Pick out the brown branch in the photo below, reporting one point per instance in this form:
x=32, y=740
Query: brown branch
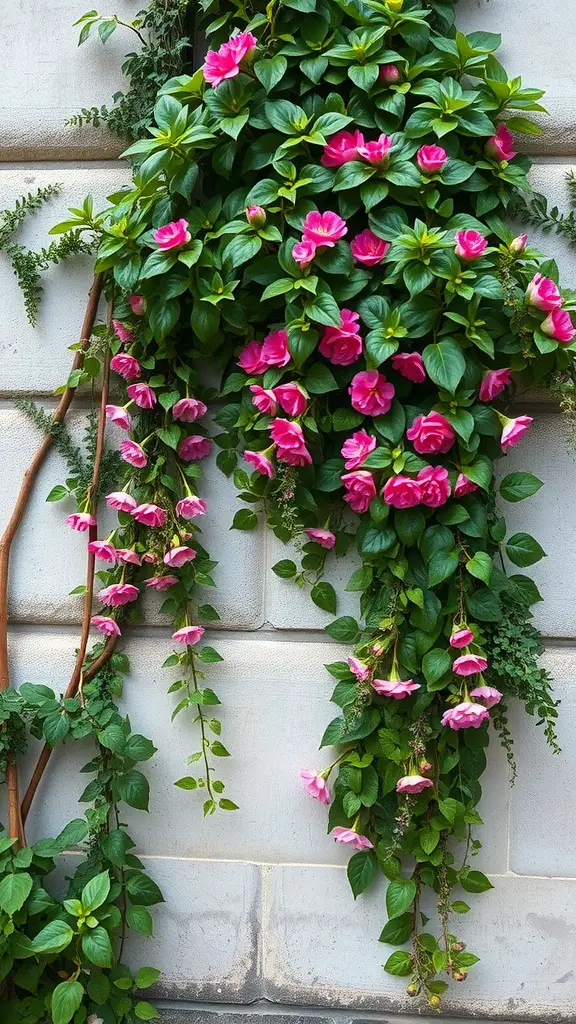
x=15, y=825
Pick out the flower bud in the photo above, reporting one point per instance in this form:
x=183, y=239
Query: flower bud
x=434, y=1001
x=518, y=244
x=460, y=975
x=425, y=767
x=412, y=990
x=389, y=73
x=395, y=5
x=458, y=947
x=256, y=216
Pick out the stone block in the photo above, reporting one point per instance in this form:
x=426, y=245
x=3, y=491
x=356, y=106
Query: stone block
x=291, y=607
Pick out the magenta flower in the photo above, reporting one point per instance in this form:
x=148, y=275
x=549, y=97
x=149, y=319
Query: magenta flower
x=161, y=582
x=499, y=146
x=514, y=430
x=376, y=152
x=431, y=434
x=142, y=395
x=342, y=148
x=264, y=399
x=470, y=244
x=397, y=688
x=137, y=304
x=177, y=557
x=125, y=334
x=465, y=716
x=275, y=351
x=342, y=345
x=261, y=463
x=324, y=229
x=494, y=383
x=294, y=456
x=389, y=73
x=292, y=398
x=402, y=492
x=487, y=695
x=543, y=293
x=469, y=665
x=105, y=625
x=434, y=486
x=194, y=447
x=413, y=784
x=118, y=415
x=188, y=409
x=188, y=635
x=359, y=668
x=225, y=62
x=464, y=486
x=289, y=438
x=371, y=393
x=149, y=515
x=256, y=216
x=518, y=244
x=190, y=507
x=128, y=556
x=361, y=489
x=316, y=786
x=118, y=594
x=303, y=252
x=173, y=235
x=351, y=838
x=121, y=501
x=325, y=538
x=431, y=159
x=410, y=365
x=368, y=249
x=133, y=454
x=103, y=550
x=461, y=637
x=126, y=366
x=250, y=358
x=356, y=449
x=558, y=324
x=80, y=521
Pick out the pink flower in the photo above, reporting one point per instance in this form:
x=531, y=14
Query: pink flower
x=118, y=415
x=225, y=62
x=493, y=384
x=351, y=838
x=359, y=669
x=118, y=594
x=304, y=251
x=261, y=463
x=402, y=492
x=178, y=556
x=275, y=351
x=125, y=334
x=518, y=244
x=128, y=556
x=172, y=235
x=410, y=365
x=325, y=538
x=105, y=625
x=470, y=244
x=469, y=665
x=514, y=430
x=389, y=73
x=434, y=486
x=133, y=454
x=371, y=393
x=368, y=249
x=431, y=159
x=188, y=409
x=431, y=434
x=558, y=325
x=188, y=635
x=292, y=398
x=397, y=688
x=361, y=489
x=316, y=786
x=499, y=146
x=137, y=304
x=161, y=582
x=294, y=457
x=142, y=395
x=80, y=521
x=126, y=366
x=103, y=550
x=149, y=515
x=461, y=637
x=342, y=148
x=487, y=695
x=250, y=358
x=194, y=447
x=356, y=448
x=464, y=486
x=342, y=345
x=242, y=44
x=287, y=434
x=465, y=716
x=376, y=152
x=256, y=216
x=413, y=784
x=543, y=293
x=121, y=501
x=324, y=229
x=190, y=507
x=264, y=400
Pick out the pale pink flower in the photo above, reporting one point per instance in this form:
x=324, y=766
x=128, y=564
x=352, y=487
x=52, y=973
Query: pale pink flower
x=434, y=486
x=465, y=716
x=194, y=447
x=250, y=358
x=371, y=393
x=188, y=635
x=342, y=345
x=389, y=73
x=264, y=400
x=356, y=448
x=125, y=365
x=121, y=501
x=172, y=235
x=342, y=148
x=133, y=454
x=376, y=152
x=105, y=625
x=464, y=486
x=461, y=637
x=103, y=550
x=499, y=146
x=161, y=582
x=487, y=695
x=410, y=365
x=402, y=492
x=118, y=594
x=149, y=515
x=469, y=665
x=361, y=489
x=137, y=304
x=80, y=521
x=514, y=430
x=351, y=838
x=431, y=159
x=431, y=434
x=397, y=688
x=142, y=395
x=359, y=668
x=316, y=786
x=177, y=557
x=518, y=244
x=190, y=507
x=413, y=784
x=128, y=556
x=125, y=334
x=188, y=409
x=275, y=351
x=256, y=216
x=324, y=229
x=118, y=415
x=261, y=463
x=470, y=244
x=304, y=251
x=368, y=249
x=543, y=293
x=292, y=398
x=325, y=538
x=558, y=324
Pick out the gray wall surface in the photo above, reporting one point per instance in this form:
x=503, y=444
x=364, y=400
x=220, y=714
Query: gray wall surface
x=257, y=902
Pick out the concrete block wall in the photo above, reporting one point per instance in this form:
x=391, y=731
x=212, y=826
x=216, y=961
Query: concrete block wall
x=257, y=902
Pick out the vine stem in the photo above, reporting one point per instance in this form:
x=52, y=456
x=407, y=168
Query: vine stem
x=15, y=821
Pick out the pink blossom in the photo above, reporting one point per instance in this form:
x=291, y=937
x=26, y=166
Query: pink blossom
x=499, y=146
x=256, y=216
x=356, y=448
x=514, y=430
x=376, y=152
x=133, y=454
x=261, y=463
x=142, y=395
x=105, y=625
x=470, y=244
x=287, y=434
x=543, y=293
x=494, y=383
x=225, y=62
x=469, y=665
x=264, y=400
x=465, y=716
x=558, y=324
x=487, y=695
x=464, y=486
x=389, y=73
x=125, y=365
x=359, y=668
x=413, y=784
x=149, y=515
x=151, y=558
x=103, y=550
x=178, y=556
x=292, y=398
x=351, y=838
x=324, y=229
x=518, y=244
x=118, y=415
x=188, y=635
x=304, y=251
x=161, y=582
x=128, y=556
x=342, y=148
x=194, y=447
x=190, y=507
x=431, y=434
x=188, y=409
x=397, y=688
x=242, y=44
x=361, y=489
x=118, y=594
x=461, y=637
x=172, y=235
x=402, y=492
x=325, y=538
x=80, y=521
x=121, y=501
x=410, y=365
x=371, y=393
x=342, y=345
x=250, y=358
x=316, y=786
x=125, y=334
x=434, y=486
x=431, y=159
x=137, y=304
x=368, y=249
x=275, y=351
x=294, y=456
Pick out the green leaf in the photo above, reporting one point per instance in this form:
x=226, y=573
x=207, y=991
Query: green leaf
x=57, y=493
x=524, y=550
x=134, y=789
x=97, y=948
x=145, y=1011
x=241, y=249
x=146, y=976
x=53, y=938
x=14, y=891
x=399, y=896
x=95, y=892
x=270, y=72
x=66, y=998
x=445, y=364
x=286, y=569
x=480, y=566
x=409, y=524
x=139, y=919
x=398, y=930
x=98, y=988
x=475, y=881
x=329, y=474
x=138, y=748
x=344, y=628
x=143, y=890
x=435, y=664
x=441, y=565
x=429, y=838
x=484, y=605
x=399, y=963
x=324, y=596
x=517, y=486
x=320, y=380
x=244, y=519
x=459, y=907
x=361, y=870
